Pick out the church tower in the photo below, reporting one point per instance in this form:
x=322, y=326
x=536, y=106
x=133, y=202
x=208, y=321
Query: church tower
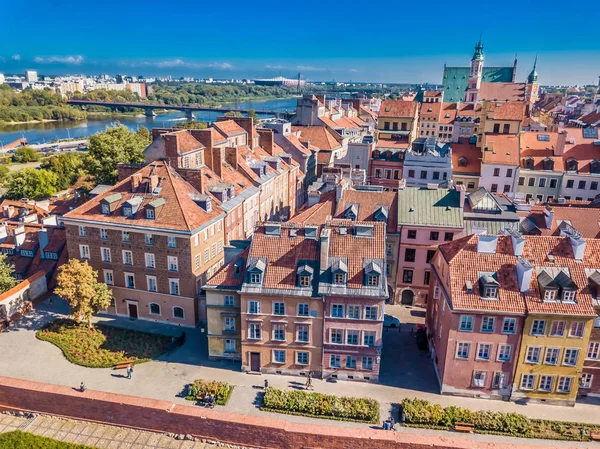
x=532, y=87
x=475, y=75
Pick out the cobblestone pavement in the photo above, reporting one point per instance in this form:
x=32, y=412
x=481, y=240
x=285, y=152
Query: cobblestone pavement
x=95, y=435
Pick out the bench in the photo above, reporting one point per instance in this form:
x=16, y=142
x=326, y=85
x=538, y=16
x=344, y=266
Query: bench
x=122, y=365
x=595, y=435
x=464, y=427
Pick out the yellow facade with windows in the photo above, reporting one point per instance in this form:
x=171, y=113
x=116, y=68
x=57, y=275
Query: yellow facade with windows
x=223, y=324
x=550, y=363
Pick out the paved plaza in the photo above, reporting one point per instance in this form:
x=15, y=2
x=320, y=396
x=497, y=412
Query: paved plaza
x=406, y=372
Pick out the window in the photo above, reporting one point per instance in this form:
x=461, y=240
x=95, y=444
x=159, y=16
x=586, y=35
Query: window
x=558, y=327
x=154, y=309
x=487, y=324
x=470, y=185
x=125, y=236
x=302, y=358
x=466, y=323
x=228, y=300
x=506, y=128
x=506, y=188
x=594, y=185
x=411, y=173
x=367, y=363
x=150, y=213
x=278, y=356
x=255, y=278
x=150, y=263
x=499, y=380
x=84, y=251
x=597, y=322
x=564, y=384
x=371, y=312
x=337, y=311
x=369, y=338
x=206, y=255
x=82, y=231
x=127, y=257
x=213, y=250
x=531, y=182
x=546, y=383
x=581, y=185
x=568, y=296
x=129, y=280
x=253, y=307
x=278, y=308
x=105, y=254
x=504, y=352
x=412, y=234
x=151, y=283
x=108, y=277
x=423, y=174
x=553, y=183
x=436, y=175
x=430, y=254
x=373, y=280
x=171, y=242
x=586, y=380
x=571, y=356
x=148, y=239
x=496, y=128
x=378, y=173
x=550, y=295
x=336, y=336
x=538, y=327
x=353, y=312
x=509, y=172
x=279, y=332
x=533, y=354
x=479, y=378
x=340, y=278
x=304, y=281
x=105, y=209
x=254, y=331
x=542, y=182
x=334, y=361
x=593, y=350
x=490, y=292
x=521, y=180
x=496, y=172
x=483, y=351
x=229, y=324
x=197, y=261
x=103, y=234
x=174, y=287
x=494, y=188
x=350, y=362
x=527, y=381
x=303, y=310
x=434, y=235
x=407, y=276
x=462, y=350
x=576, y=329
x=552, y=355
x=570, y=184
x=448, y=236
x=409, y=254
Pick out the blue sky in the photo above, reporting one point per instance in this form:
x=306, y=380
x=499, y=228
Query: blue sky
x=385, y=41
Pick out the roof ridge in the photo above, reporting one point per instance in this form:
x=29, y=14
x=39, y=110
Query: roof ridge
x=175, y=190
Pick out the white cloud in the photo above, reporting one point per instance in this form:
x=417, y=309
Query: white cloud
x=75, y=59
x=221, y=66
x=353, y=70
x=172, y=63
x=310, y=68
x=275, y=67
x=16, y=57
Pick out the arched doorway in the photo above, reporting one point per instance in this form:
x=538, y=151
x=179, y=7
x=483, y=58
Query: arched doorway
x=407, y=297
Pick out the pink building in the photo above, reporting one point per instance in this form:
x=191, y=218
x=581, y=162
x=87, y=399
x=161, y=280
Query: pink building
x=427, y=217
x=476, y=314
x=385, y=168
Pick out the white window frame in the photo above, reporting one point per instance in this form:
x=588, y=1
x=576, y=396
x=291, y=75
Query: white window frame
x=255, y=331
x=150, y=260
x=504, y=353
x=464, y=345
x=150, y=309
x=109, y=278
x=512, y=323
x=278, y=352
x=105, y=254
x=579, y=327
x=532, y=351
x=148, y=284
x=174, y=282
x=552, y=356
x=489, y=319
x=530, y=384
x=485, y=349
x=557, y=323
x=564, y=380
x=124, y=254
x=593, y=352
x=543, y=386
x=127, y=275
x=570, y=354
x=533, y=326
x=84, y=252
x=173, y=263
x=103, y=234
x=251, y=303
x=229, y=300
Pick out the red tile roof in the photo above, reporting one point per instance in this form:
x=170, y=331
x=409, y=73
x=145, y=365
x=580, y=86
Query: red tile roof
x=430, y=110
x=368, y=203
x=318, y=136
x=511, y=110
x=468, y=152
x=318, y=213
x=185, y=141
x=585, y=219
x=226, y=276
x=502, y=149
x=583, y=150
x=228, y=128
x=502, y=91
x=539, y=150
x=179, y=212
x=398, y=108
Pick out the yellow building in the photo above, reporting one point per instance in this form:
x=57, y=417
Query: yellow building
x=223, y=310
x=397, y=120
x=502, y=117
x=560, y=319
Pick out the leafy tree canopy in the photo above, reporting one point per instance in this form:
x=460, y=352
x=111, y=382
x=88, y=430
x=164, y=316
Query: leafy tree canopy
x=26, y=154
x=31, y=183
x=7, y=274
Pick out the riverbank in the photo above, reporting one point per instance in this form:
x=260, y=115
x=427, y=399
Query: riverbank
x=3, y=123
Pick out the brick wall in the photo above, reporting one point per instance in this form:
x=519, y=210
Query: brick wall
x=254, y=431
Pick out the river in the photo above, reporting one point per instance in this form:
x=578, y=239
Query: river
x=46, y=132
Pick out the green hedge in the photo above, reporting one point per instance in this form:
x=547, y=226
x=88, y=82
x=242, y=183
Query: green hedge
x=321, y=405
x=422, y=413
x=221, y=390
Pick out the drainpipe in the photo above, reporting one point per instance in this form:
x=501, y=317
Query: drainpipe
x=323, y=342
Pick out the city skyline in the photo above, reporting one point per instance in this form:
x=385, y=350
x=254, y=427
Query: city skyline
x=216, y=43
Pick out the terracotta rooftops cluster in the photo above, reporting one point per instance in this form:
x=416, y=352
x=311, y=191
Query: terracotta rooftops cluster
x=518, y=274
x=398, y=108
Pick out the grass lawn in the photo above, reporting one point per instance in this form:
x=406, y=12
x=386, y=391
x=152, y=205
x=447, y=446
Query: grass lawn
x=23, y=440
x=103, y=346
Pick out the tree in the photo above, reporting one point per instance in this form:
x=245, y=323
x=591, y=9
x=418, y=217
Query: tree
x=116, y=145
x=68, y=167
x=77, y=283
x=26, y=154
x=194, y=124
x=4, y=172
x=32, y=183
x=252, y=114
x=7, y=274
x=144, y=133
x=233, y=114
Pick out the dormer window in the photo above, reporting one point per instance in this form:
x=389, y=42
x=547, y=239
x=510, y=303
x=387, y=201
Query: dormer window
x=304, y=281
x=529, y=163
x=568, y=296
x=572, y=165
x=373, y=280
x=339, y=279
x=548, y=164
x=105, y=209
x=256, y=270
x=150, y=214
x=490, y=292
x=462, y=161
x=550, y=295
x=351, y=213
x=488, y=285
x=255, y=278
x=595, y=166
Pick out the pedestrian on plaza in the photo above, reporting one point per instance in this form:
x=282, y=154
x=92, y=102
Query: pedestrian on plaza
x=129, y=371
x=266, y=383
x=50, y=303
x=82, y=387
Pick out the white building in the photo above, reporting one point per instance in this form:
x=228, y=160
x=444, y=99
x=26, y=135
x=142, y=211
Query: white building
x=427, y=161
x=31, y=76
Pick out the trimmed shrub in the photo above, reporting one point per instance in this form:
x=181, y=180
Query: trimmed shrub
x=420, y=411
x=200, y=387
x=321, y=405
x=453, y=414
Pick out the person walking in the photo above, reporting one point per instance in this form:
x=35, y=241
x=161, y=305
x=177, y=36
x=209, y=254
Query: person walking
x=129, y=371
x=266, y=384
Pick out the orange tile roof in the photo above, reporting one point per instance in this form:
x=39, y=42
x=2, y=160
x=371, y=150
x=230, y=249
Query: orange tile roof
x=318, y=213
x=229, y=128
x=179, y=212
x=398, y=108
x=502, y=149
x=430, y=110
x=539, y=150
x=217, y=137
x=185, y=141
x=293, y=139
x=226, y=277
x=502, y=91
x=470, y=152
x=382, y=144
x=511, y=110
x=368, y=203
x=585, y=219
x=318, y=136
x=582, y=149
x=465, y=264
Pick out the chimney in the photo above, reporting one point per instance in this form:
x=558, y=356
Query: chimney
x=559, y=150
x=245, y=122
x=19, y=234
x=518, y=242
x=136, y=180
x=463, y=191
x=524, y=272
x=325, y=236
x=549, y=216
x=217, y=161
x=578, y=246
x=231, y=156
x=3, y=232
x=487, y=244
x=153, y=182
x=266, y=140
x=43, y=241
x=171, y=146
